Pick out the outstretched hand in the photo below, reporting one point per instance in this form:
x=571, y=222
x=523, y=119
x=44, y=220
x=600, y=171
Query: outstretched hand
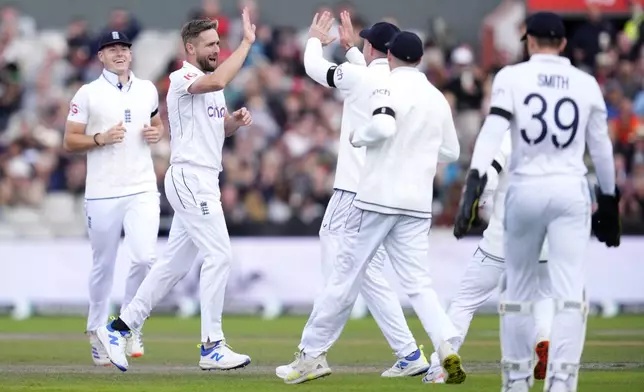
x=321, y=26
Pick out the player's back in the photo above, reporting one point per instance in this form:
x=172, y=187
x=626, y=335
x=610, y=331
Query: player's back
x=355, y=113
x=399, y=172
x=552, y=104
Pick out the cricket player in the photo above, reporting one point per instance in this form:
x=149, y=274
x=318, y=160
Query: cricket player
x=486, y=269
x=553, y=111
x=355, y=82
x=410, y=129
x=114, y=119
x=199, y=122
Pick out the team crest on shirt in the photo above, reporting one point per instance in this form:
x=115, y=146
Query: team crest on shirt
x=204, y=208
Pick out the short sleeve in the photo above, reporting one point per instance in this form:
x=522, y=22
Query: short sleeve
x=345, y=76
x=79, y=106
x=501, y=101
x=182, y=79
x=154, y=109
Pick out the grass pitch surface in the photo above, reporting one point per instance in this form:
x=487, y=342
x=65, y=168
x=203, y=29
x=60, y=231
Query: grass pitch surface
x=53, y=354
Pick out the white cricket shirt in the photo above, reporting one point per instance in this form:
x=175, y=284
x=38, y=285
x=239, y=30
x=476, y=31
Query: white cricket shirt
x=355, y=82
x=494, y=198
x=196, y=121
x=554, y=110
x=124, y=168
x=411, y=129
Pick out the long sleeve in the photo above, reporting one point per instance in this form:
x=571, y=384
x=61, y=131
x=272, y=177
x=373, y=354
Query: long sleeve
x=496, y=123
x=382, y=124
x=355, y=56
x=344, y=76
x=450, y=148
x=600, y=147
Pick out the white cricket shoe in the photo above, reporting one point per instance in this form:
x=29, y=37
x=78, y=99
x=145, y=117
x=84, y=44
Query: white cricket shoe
x=221, y=357
x=517, y=386
x=284, y=370
x=451, y=362
x=412, y=365
x=114, y=343
x=99, y=356
x=306, y=368
x=435, y=375
x=134, y=347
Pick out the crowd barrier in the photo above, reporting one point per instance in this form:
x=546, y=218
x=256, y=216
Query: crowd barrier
x=285, y=271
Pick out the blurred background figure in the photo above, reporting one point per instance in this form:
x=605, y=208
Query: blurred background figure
x=278, y=171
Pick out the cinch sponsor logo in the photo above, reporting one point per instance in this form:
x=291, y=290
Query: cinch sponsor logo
x=218, y=112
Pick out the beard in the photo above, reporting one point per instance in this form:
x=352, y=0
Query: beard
x=205, y=64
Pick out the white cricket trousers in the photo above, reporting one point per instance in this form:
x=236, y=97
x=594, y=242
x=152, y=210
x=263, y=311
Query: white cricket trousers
x=380, y=298
x=482, y=277
x=406, y=240
x=198, y=227
x=138, y=216
x=557, y=208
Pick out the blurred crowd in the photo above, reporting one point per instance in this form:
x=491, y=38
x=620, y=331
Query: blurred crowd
x=278, y=173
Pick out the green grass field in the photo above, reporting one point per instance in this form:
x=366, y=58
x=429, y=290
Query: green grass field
x=52, y=354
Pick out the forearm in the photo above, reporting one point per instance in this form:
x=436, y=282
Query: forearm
x=230, y=126
x=315, y=64
x=79, y=143
x=380, y=127
x=488, y=142
x=450, y=149
x=602, y=156
x=354, y=56
x=227, y=70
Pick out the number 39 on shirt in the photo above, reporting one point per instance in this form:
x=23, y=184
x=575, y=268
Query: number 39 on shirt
x=563, y=113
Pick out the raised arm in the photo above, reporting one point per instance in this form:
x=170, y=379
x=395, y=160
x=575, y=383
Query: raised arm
x=324, y=72
x=348, y=39
x=225, y=72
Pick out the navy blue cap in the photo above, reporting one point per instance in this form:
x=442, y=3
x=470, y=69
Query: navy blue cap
x=379, y=34
x=113, y=38
x=544, y=25
x=406, y=46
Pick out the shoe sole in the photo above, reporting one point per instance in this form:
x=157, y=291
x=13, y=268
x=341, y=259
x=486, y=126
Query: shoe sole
x=415, y=373
x=136, y=355
x=240, y=366
x=119, y=367
x=542, y=365
x=321, y=373
x=454, y=369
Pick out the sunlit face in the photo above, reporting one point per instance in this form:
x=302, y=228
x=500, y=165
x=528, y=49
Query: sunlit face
x=116, y=58
x=205, y=49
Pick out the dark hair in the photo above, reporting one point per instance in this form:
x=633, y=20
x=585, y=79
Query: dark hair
x=192, y=29
x=553, y=43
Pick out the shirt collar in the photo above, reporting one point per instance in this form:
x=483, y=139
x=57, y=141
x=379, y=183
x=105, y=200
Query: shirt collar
x=552, y=58
x=113, y=79
x=192, y=67
x=380, y=61
x=404, y=69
